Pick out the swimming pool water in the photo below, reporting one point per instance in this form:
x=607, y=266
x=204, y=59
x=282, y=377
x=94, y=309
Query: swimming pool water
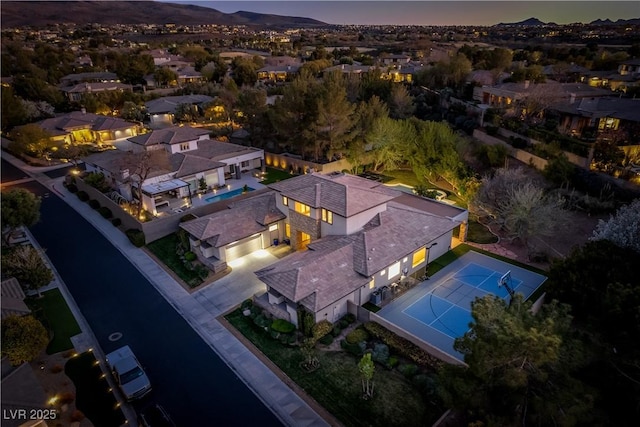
x=227, y=195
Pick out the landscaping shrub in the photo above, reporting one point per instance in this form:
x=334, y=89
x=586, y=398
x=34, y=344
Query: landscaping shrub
x=116, y=222
x=393, y=361
x=136, y=237
x=274, y=334
x=72, y=188
x=349, y=318
x=380, y=353
x=402, y=346
x=343, y=323
x=357, y=335
x=105, y=212
x=356, y=349
x=326, y=340
x=190, y=256
x=424, y=383
x=336, y=330
x=260, y=320
x=283, y=326
x=321, y=328
x=94, y=204
x=408, y=370
x=246, y=304
x=82, y=195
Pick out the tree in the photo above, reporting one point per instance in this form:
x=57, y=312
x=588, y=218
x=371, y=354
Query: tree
x=519, y=365
x=623, y=229
x=26, y=265
x=245, y=71
x=335, y=118
x=141, y=164
x=31, y=139
x=308, y=346
x=186, y=113
x=13, y=112
x=401, y=103
x=606, y=155
x=600, y=281
x=132, y=111
x=518, y=205
x=23, y=339
x=367, y=369
x=386, y=138
x=559, y=170
x=164, y=76
x=19, y=207
x=252, y=104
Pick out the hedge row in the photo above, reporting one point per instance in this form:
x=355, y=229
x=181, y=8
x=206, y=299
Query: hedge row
x=401, y=345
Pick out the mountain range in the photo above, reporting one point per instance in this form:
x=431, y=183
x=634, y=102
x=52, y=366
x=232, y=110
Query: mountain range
x=535, y=22
x=42, y=13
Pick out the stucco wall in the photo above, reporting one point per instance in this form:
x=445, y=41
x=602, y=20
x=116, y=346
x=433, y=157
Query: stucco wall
x=281, y=161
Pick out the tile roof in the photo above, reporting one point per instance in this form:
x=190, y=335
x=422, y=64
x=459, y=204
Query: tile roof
x=168, y=104
x=219, y=151
x=115, y=161
x=335, y=266
x=345, y=195
x=79, y=120
x=243, y=219
x=620, y=108
x=186, y=164
x=172, y=135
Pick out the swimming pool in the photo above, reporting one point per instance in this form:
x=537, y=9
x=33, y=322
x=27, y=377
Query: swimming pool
x=227, y=195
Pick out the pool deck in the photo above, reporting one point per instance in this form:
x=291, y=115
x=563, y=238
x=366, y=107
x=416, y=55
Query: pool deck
x=445, y=302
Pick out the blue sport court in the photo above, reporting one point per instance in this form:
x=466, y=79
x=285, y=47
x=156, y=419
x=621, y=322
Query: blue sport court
x=438, y=310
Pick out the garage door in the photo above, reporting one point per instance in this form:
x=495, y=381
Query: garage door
x=243, y=248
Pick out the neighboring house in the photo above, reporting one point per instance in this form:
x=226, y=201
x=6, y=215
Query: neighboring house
x=13, y=298
x=611, y=117
x=92, y=77
x=21, y=391
x=507, y=95
x=181, y=159
x=75, y=92
x=278, y=73
x=359, y=234
x=395, y=59
x=349, y=69
x=162, y=111
x=80, y=127
x=630, y=67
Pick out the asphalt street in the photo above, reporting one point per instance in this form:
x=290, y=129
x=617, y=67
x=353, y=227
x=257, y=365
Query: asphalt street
x=189, y=380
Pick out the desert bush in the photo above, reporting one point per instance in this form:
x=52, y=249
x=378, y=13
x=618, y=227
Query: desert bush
x=349, y=318
x=326, y=340
x=116, y=222
x=105, y=212
x=82, y=195
x=380, y=353
x=357, y=335
x=283, y=326
x=72, y=188
x=190, y=256
x=357, y=349
x=94, y=204
x=136, y=237
x=321, y=328
x=336, y=330
x=408, y=370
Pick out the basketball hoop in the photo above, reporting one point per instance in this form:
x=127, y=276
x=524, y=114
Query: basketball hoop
x=505, y=280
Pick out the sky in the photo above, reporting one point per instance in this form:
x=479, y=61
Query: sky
x=425, y=12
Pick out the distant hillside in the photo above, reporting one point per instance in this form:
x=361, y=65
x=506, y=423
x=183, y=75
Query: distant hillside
x=41, y=13
x=634, y=21
x=531, y=22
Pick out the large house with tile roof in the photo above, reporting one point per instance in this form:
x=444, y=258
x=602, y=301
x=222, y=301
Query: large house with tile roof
x=352, y=237
x=162, y=111
x=182, y=158
x=80, y=127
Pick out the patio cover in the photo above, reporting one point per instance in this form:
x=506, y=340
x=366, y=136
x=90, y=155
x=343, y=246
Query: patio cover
x=163, y=187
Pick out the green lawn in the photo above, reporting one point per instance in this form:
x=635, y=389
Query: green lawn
x=53, y=312
x=336, y=385
x=93, y=397
x=275, y=175
x=165, y=250
x=402, y=176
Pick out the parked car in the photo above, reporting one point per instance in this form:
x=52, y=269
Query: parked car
x=155, y=416
x=129, y=374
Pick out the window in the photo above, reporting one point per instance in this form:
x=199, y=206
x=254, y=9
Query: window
x=287, y=230
x=285, y=200
x=419, y=256
x=394, y=270
x=302, y=209
x=327, y=216
x=184, y=146
x=372, y=283
x=244, y=164
x=273, y=227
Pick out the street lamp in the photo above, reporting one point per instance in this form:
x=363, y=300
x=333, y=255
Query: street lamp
x=426, y=267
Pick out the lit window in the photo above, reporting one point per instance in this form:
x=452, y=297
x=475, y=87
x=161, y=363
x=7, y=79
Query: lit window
x=303, y=209
x=418, y=257
x=372, y=284
x=394, y=270
x=383, y=272
x=327, y=216
x=287, y=230
x=285, y=200
x=273, y=227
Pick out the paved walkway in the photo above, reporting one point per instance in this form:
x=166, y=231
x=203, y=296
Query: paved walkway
x=200, y=310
